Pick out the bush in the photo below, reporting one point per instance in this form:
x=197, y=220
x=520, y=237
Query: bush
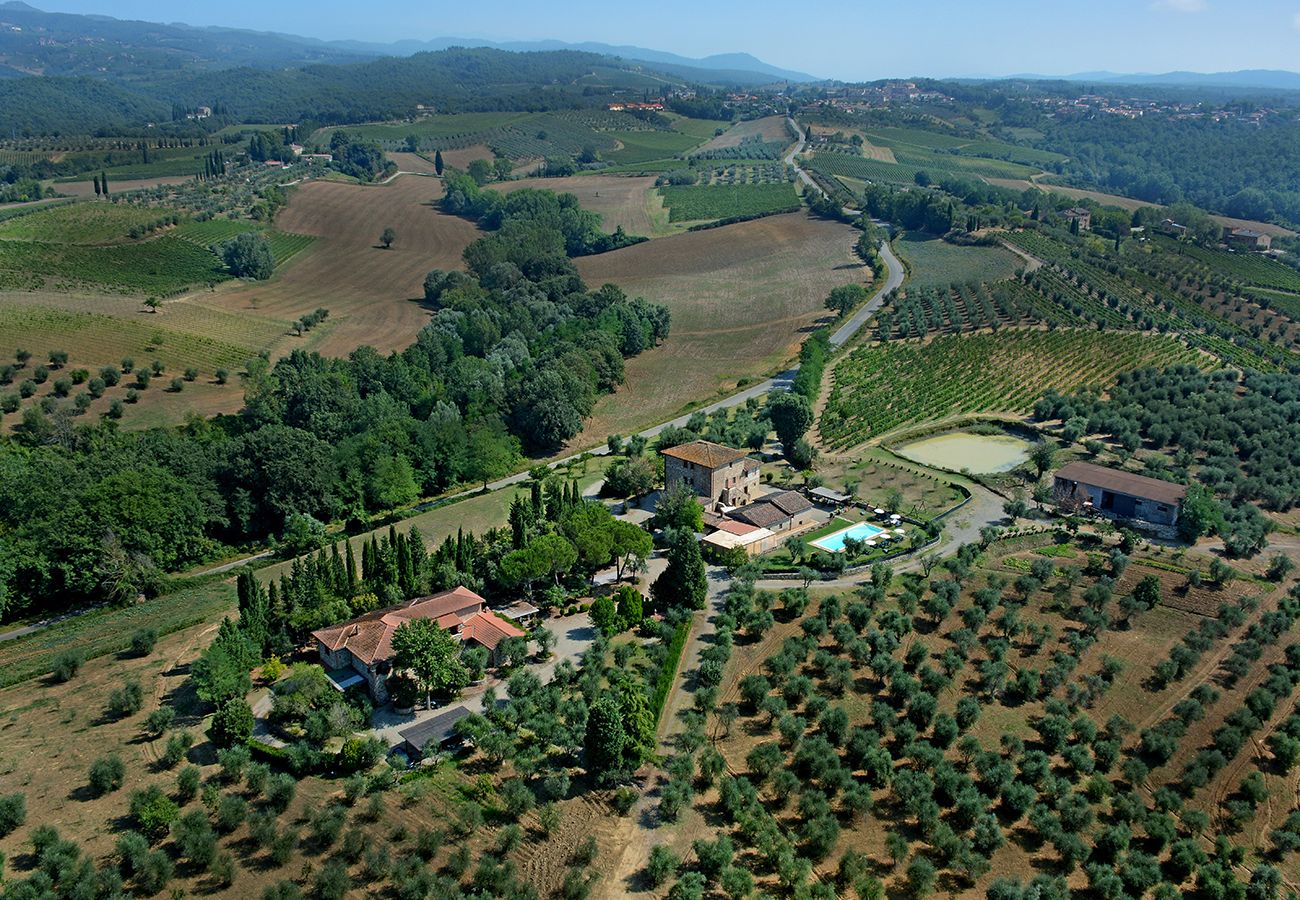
x=178, y=745
x=107, y=774
x=126, y=700
x=153, y=811
x=234, y=761
x=67, y=664
x=143, y=641
x=662, y=865
x=230, y=813
x=195, y=839
x=187, y=784
x=158, y=721
x=332, y=882
x=248, y=255
x=13, y=812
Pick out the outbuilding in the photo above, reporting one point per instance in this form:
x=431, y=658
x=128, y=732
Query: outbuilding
x=1116, y=494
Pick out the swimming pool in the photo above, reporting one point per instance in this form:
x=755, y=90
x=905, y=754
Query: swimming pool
x=834, y=542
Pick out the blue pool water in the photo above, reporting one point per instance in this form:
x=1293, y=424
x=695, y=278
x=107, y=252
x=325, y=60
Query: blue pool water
x=834, y=542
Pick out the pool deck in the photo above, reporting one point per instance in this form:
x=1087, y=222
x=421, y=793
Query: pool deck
x=820, y=543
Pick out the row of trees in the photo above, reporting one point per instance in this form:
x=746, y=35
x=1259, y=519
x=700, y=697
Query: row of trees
x=506, y=361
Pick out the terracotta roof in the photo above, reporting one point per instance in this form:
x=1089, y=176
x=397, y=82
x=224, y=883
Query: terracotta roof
x=731, y=527
x=488, y=630
x=369, y=638
x=1123, y=482
x=705, y=453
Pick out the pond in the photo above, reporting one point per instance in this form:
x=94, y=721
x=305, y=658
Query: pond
x=982, y=454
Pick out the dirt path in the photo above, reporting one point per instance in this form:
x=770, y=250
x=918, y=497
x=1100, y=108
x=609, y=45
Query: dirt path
x=634, y=834
x=1032, y=263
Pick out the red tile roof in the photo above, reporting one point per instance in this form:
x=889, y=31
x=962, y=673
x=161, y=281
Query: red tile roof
x=488, y=630
x=369, y=638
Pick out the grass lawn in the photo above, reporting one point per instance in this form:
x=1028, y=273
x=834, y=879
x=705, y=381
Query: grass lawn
x=932, y=262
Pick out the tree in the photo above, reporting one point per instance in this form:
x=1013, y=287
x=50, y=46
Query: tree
x=843, y=299
x=1199, y=513
x=431, y=655
x=232, y=724
x=683, y=584
x=107, y=774
x=389, y=235
x=604, y=615
x=678, y=507
x=248, y=255
x=1043, y=456
x=606, y=738
x=13, y=812
x=437, y=162
x=791, y=416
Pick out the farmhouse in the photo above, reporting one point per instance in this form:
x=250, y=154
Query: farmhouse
x=1118, y=495
x=1171, y=228
x=364, y=646
x=782, y=512
x=1081, y=215
x=752, y=539
x=1247, y=239
x=718, y=474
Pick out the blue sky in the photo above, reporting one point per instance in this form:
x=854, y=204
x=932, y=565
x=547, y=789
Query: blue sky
x=849, y=40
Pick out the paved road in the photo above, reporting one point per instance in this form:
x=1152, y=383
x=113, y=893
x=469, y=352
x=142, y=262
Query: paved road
x=893, y=279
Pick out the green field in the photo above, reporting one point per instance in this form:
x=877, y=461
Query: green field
x=433, y=127
x=1251, y=268
x=80, y=223
x=94, y=339
x=109, y=629
x=163, y=266
x=933, y=262
x=648, y=146
x=689, y=203
x=882, y=387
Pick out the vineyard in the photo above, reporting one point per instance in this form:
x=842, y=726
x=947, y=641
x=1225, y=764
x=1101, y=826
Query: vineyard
x=1143, y=291
x=1249, y=268
x=163, y=266
x=81, y=223
x=882, y=387
x=689, y=203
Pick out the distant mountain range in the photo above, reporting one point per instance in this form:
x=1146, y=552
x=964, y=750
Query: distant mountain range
x=35, y=42
x=719, y=62
x=1266, y=79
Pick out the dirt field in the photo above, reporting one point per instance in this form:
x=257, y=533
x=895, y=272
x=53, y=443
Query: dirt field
x=742, y=298
x=628, y=201
x=413, y=162
x=87, y=188
x=869, y=150
x=771, y=128
x=373, y=294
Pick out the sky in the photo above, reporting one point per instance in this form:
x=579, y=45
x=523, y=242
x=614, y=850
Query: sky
x=861, y=40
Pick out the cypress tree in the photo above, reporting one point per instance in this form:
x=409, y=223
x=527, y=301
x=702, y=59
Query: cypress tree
x=351, y=564
x=96, y=185
x=103, y=182
x=338, y=575
x=437, y=161
x=539, y=505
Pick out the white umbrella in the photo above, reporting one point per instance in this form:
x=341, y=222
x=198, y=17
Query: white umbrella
x=895, y=516
x=868, y=543
x=879, y=511
x=899, y=531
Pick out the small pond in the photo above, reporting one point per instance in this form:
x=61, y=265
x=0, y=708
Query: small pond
x=982, y=454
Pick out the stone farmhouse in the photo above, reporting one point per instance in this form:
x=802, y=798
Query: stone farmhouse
x=720, y=476
x=1113, y=494
x=362, y=649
